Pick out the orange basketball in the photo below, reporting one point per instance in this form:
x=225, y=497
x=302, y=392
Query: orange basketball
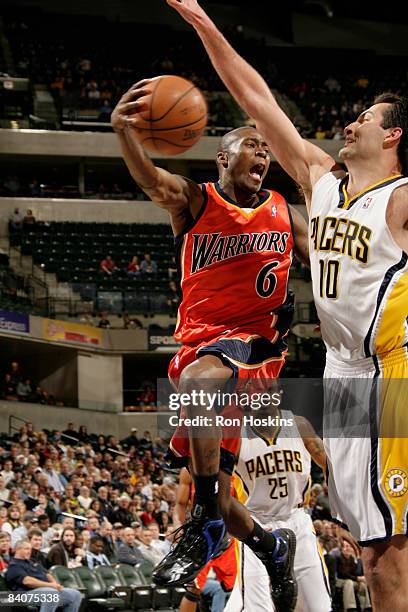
x=176, y=117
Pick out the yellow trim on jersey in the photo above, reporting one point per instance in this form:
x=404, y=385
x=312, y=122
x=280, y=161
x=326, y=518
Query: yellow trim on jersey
x=246, y=214
x=245, y=366
x=393, y=451
x=239, y=489
x=392, y=329
x=348, y=201
x=182, y=257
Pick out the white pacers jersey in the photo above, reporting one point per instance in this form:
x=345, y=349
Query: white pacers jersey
x=272, y=475
x=360, y=275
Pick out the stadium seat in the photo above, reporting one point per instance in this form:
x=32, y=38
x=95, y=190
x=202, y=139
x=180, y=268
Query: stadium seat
x=145, y=568
x=142, y=592
x=95, y=591
x=67, y=577
x=114, y=583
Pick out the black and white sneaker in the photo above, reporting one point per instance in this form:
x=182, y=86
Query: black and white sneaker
x=196, y=542
x=279, y=565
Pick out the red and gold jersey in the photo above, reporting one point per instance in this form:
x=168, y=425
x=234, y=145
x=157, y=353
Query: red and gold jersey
x=234, y=267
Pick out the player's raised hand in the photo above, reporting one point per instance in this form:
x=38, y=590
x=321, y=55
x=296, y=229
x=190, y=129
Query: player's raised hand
x=133, y=102
x=190, y=10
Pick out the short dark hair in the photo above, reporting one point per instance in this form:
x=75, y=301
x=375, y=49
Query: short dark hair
x=34, y=532
x=396, y=116
x=96, y=539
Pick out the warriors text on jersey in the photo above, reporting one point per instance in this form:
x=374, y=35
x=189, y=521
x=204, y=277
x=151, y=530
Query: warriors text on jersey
x=360, y=275
x=272, y=475
x=234, y=267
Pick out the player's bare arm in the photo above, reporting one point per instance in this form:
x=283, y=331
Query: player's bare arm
x=182, y=497
x=302, y=160
x=181, y=197
x=300, y=229
x=397, y=216
x=312, y=442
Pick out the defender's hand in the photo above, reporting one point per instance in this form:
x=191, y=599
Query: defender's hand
x=133, y=102
x=190, y=10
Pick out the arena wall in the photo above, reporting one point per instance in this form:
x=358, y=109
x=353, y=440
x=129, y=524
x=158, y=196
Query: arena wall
x=52, y=417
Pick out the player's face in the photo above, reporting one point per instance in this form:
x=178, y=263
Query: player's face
x=248, y=161
x=364, y=138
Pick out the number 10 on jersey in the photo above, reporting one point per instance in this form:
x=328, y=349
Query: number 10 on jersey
x=329, y=278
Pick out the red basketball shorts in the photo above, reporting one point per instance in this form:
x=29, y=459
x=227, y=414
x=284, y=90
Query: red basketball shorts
x=254, y=363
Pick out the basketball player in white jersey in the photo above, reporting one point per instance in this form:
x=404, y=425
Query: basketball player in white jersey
x=358, y=251
x=271, y=478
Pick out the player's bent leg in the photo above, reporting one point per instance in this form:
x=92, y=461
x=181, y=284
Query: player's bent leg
x=199, y=539
x=386, y=572
x=276, y=550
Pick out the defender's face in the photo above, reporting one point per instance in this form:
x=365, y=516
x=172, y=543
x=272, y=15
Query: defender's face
x=364, y=138
x=248, y=161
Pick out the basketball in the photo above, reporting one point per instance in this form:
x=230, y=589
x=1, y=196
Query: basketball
x=176, y=117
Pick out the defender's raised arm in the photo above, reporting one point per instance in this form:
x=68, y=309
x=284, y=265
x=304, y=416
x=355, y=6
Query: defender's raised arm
x=303, y=161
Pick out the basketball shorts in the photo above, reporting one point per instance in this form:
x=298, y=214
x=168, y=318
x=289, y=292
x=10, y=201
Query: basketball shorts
x=251, y=590
x=366, y=441
x=254, y=361
x=224, y=567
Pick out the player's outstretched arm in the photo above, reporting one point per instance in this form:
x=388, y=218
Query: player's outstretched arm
x=300, y=230
x=303, y=161
x=174, y=193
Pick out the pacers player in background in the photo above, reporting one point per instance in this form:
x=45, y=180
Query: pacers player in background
x=359, y=261
x=272, y=477
x=236, y=243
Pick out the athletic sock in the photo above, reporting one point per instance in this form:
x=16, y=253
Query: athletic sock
x=261, y=541
x=206, y=497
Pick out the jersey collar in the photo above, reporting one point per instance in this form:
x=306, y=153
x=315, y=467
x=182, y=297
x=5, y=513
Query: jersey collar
x=346, y=202
x=263, y=196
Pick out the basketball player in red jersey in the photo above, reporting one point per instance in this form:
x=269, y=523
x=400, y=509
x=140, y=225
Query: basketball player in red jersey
x=236, y=243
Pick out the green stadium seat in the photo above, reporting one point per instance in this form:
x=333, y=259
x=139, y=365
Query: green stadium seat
x=96, y=590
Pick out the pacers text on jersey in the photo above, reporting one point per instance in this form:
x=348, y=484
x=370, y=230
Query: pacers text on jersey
x=212, y=248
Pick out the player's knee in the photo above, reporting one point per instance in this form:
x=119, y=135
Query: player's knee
x=199, y=375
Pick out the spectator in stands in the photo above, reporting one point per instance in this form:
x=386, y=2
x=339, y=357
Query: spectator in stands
x=131, y=323
x=66, y=552
x=16, y=221
x=12, y=186
x=24, y=390
x=32, y=501
x=147, y=516
x=35, y=538
x=84, y=498
x=173, y=298
x=34, y=189
x=149, y=552
x=128, y=551
x=172, y=269
x=14, y=520
x=133, y=268
x=8, y=389
x=104, y=322
x=29, y=219
x=4, y=491
x=147, y=397
x=105, y=111
x=320, y=133
x=95, y=555
x=108, y=266
x=145, y=443
x=110, y=548
x=29, y=520
x=121, y=514
x=161, y=545
x=5, y=551
x=52, y=476
x=46, y=531
x=350, y=578
x=148, y=267
x=83, y=435
x=23, y=574
x=71, y=435
x=15, y=372
x=131, y=440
